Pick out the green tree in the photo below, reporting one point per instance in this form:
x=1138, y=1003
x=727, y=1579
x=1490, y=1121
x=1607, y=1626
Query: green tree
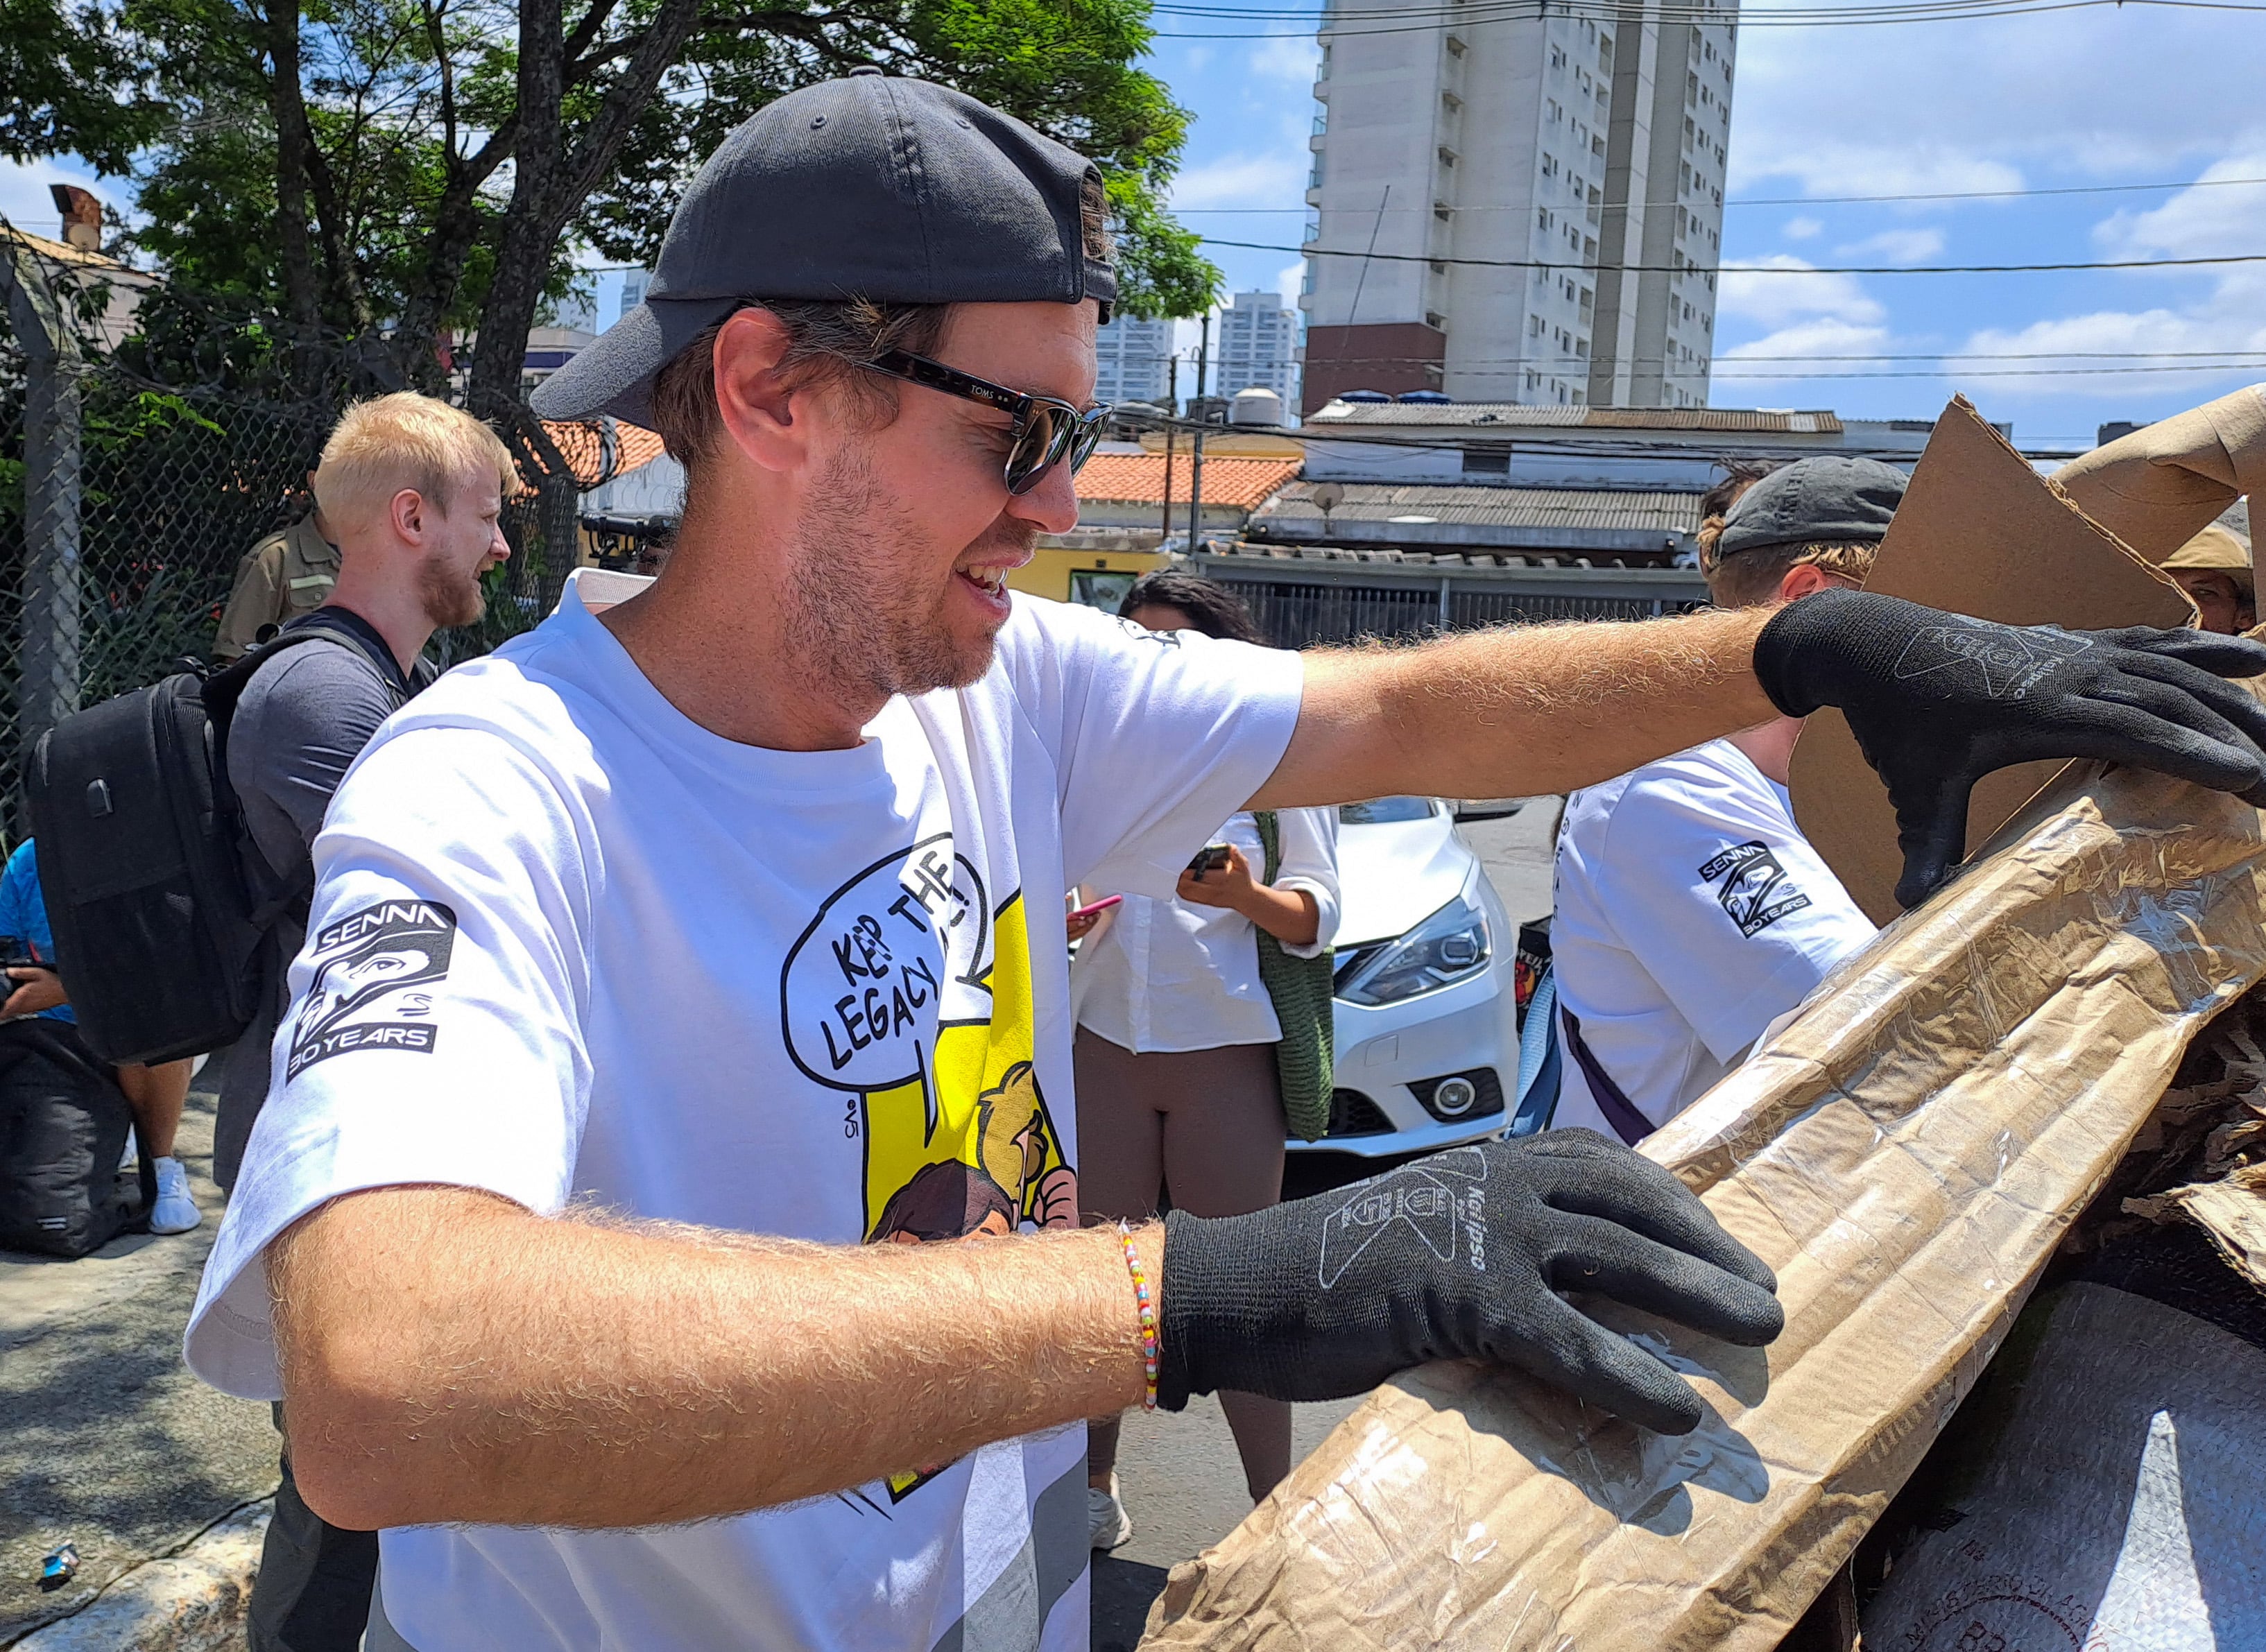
x=402, y=172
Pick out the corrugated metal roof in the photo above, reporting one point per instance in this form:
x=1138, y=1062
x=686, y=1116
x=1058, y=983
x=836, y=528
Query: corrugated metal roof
x=1140, y=479
x=1408, y=557
x=1493, y=507
x=1480, y=415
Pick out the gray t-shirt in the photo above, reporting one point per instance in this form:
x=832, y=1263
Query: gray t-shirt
x=302, y=721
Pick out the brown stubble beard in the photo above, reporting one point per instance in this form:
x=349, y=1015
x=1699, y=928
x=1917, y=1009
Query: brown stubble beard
x=450, y=597
x=854, y=622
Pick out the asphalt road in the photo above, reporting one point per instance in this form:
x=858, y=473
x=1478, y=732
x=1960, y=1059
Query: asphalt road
x=1181, y=1480
x=110, y=1444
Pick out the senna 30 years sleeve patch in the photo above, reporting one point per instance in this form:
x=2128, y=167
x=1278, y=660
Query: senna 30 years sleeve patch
x=371, y=967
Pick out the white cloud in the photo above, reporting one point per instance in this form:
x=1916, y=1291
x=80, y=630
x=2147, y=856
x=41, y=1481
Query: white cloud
x=2227, y=320
x=1895, y=246
x=2136, y=93
x=1779, y=300
x=2198, y=222
x=1801, y=228
x=1861, y=169
x=1196, y=57
x=1758, y=362
x=1277, y=179
x=1289, y=280
x=1292, y=57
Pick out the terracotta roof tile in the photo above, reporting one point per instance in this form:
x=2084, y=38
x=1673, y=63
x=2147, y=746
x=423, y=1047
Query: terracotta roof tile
x=1139, y=477
x=582, y=444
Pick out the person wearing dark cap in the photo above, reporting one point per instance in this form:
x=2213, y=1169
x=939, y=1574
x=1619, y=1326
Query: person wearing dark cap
x=654, y=955
x=1690, y=911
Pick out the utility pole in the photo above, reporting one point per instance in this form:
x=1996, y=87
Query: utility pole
x=1195, y=463
x=1171, y=411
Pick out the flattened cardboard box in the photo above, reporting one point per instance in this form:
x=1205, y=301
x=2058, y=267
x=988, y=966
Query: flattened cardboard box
x=1979, y=533
x=1906, y=1152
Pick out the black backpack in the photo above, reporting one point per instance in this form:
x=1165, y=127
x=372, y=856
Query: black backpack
x=62, y=1127
x=142, y=861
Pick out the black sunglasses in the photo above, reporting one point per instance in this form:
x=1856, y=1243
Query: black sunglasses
x=1047, y=431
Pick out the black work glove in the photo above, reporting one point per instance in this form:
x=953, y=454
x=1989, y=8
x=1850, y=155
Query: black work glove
x=1460, y=1255
x=1938, y=700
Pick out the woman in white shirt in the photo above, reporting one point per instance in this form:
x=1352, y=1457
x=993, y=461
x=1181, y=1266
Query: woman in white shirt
x=1176, y=1037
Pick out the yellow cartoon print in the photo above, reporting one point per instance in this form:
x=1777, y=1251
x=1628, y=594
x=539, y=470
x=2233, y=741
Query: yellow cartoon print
x=910, y=995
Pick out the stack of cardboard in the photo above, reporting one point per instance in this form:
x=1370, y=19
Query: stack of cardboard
x=1907, y=1152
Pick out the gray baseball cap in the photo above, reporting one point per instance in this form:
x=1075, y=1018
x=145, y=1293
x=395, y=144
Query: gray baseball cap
x=1830, y=497
x=870, y=186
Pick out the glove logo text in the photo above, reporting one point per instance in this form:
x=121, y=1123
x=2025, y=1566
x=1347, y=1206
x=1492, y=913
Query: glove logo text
x=2004, y=661
x=1423, y=1200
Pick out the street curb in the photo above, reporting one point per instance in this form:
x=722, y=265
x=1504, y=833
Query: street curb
x=193, y=1601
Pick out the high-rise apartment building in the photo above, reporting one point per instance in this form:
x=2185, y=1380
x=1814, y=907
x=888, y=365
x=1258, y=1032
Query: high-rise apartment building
x=1452, y=157
x=1133, y=361
x=1255, y=345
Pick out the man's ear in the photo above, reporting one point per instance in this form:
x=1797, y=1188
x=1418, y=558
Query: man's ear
x=1805, y=579
x=759, y=412
x=407, y=511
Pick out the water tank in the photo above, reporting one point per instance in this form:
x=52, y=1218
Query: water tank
x=1425, y=398
x=1364, y=396
x=1257, y=405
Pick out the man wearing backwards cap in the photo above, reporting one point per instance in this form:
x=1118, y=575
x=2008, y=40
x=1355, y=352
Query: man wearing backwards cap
x=1691, y=912
x=2213, y=569
x=559, y=1251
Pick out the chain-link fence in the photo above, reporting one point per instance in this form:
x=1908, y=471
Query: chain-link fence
x=148, y=439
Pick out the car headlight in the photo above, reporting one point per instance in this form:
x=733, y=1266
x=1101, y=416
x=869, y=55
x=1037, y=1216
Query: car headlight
x=1446, y=948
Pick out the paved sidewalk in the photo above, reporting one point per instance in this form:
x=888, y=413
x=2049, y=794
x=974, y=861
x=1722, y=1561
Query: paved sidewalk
x=111, y=1443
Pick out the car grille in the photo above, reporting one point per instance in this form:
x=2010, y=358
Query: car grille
x=1354, y=1114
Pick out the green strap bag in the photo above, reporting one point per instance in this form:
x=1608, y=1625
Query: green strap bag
x=1305, y=1060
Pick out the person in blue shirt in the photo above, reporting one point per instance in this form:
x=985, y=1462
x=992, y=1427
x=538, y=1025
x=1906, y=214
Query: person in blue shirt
x=156, y=1093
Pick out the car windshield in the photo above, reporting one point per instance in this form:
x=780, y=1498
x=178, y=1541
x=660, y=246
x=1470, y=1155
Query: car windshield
x=1385, y=811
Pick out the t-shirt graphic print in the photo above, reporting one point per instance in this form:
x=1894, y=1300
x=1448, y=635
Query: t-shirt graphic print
x=568, y=946
x=912, y=996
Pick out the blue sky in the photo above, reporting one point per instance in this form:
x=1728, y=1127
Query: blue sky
x=2111, y=95
x=2077, y=98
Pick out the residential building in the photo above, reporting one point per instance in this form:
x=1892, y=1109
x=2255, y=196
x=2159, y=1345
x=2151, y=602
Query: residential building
x=1133, y=359
x=634, y=281
x=1505, y=445
x=1255, y=346
x=1518, y=208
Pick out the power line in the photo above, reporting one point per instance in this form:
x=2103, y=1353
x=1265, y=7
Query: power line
x=1610, y=11
x=1750, y=269
x=1807, y=201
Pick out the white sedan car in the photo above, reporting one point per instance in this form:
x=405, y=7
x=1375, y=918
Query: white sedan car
x=1427, y=1004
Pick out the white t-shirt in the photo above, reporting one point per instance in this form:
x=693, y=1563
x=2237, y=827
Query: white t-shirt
x=568, y=943
x=1690, y=913
x=1171, y=974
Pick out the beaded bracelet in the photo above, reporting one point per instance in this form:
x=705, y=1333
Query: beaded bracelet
x=1149, y=1344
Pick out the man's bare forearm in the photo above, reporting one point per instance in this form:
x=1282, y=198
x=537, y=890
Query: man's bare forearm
x=1516, y=712
x=449, y=1356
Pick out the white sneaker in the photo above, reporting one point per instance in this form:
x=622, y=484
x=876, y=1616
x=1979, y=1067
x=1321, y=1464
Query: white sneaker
x=1107, y=1523
x=175, y=1211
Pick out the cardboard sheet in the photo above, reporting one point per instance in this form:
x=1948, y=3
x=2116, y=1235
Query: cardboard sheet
x=1906, y=1152
x=1979, y=533
x=2155, y=489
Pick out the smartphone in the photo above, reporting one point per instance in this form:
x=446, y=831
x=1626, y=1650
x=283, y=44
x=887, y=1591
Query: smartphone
x=1100, y=906
x=1211, y=858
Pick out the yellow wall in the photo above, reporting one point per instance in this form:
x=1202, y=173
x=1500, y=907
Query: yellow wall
x=1049, y=571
